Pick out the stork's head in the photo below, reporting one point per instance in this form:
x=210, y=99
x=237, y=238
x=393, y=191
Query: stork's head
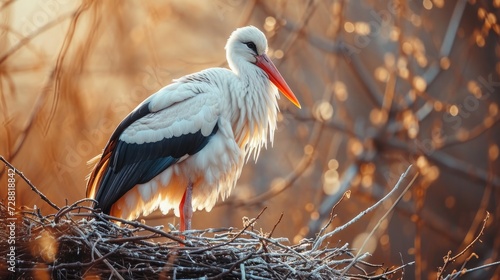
x=247, y=47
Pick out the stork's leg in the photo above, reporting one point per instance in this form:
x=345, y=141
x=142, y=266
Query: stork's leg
x=186, y=208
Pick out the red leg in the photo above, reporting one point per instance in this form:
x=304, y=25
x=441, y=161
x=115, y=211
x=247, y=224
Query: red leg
x=181, y=211
x=186, y=208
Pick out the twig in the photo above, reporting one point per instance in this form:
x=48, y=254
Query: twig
x=448, y=259
x=226, y=272
x=332, y=216
x=249, y=224
x=321, y=239
x=465, y=271
x=149, y=228
x=33, y=188
x=389, y=272
x=329, y=202
x=383, y=218
x=73, y=206
x=275, y=225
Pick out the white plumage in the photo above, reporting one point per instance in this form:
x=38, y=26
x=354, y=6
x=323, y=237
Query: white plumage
x=185, y=145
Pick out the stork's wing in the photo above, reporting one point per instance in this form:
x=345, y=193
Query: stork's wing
x=176, y=122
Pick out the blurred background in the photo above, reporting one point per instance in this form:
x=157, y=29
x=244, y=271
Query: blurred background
x=383, y=84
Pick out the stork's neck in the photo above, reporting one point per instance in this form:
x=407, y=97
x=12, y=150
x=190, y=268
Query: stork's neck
x=253, y=106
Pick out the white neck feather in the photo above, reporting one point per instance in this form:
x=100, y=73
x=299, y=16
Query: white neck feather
x=254, y=108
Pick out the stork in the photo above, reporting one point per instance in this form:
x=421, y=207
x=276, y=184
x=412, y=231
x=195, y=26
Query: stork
x=185, y=145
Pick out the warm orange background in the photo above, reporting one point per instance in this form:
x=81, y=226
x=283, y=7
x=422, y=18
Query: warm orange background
x=381, y=86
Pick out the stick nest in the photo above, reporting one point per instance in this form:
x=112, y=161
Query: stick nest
x=80, y=242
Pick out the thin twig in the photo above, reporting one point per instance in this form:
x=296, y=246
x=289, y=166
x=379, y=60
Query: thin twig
x=33, y=188
x=71, y=207
x=382, y=219
x=332, y=216
x=448, y=259
x=248, y=225
x=275, y=225
x=321, y=239
x=149, y=228
x=463, y=272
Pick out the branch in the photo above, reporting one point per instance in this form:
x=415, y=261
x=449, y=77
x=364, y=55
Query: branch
x=465, y=271
x=448, y=259
x=33, y=188
x=384, y=216
x=320, y=239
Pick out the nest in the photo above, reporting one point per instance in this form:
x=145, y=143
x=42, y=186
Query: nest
x=79, y=242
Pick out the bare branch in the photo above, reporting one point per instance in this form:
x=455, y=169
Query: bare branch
x=33, y=188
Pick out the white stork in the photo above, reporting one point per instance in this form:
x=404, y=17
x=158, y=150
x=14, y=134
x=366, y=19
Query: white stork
x=186, y=144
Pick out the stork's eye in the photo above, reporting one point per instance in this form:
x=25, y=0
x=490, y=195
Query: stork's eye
x=251, y=46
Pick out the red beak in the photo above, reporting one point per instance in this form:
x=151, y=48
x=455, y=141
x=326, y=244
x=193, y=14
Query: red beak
x=267, y=65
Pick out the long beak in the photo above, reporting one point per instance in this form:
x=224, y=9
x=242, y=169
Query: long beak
x=267, y=65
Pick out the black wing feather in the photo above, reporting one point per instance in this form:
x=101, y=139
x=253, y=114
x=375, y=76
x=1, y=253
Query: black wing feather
x=132, y=164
